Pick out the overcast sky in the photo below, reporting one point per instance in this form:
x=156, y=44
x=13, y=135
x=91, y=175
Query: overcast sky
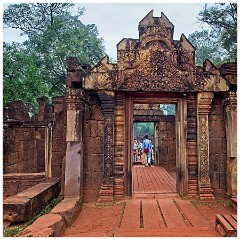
x=120, y=20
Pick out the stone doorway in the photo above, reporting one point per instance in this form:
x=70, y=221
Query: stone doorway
x=131, y=116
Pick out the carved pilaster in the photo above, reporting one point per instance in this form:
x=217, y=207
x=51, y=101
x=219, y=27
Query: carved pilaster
x=108, y=103
x=230, y=104
x=204, y=100
x=192, y=145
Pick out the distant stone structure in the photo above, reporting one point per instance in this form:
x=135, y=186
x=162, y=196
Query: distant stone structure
x=84, y=138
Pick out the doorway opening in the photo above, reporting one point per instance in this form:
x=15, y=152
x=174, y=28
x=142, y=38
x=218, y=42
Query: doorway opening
x=158, y=122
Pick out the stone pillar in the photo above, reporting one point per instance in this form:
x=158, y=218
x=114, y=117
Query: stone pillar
x=204, y=100
x=74, y=155
x=75, y=103
x=108, y=103
x=230, y=103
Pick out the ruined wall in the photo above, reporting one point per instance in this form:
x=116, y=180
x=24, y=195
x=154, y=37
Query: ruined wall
x=19, y=150
x=59, y=137
x=93, y=149
x=167, y=143
x=217, y=147
x=24, y=144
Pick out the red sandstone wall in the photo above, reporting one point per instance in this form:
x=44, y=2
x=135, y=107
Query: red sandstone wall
x=167, y=143
x=24, y=143
x=93, y=150
x=23, y=150
x=217, y=147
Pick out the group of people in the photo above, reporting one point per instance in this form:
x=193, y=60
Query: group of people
x=145, y=148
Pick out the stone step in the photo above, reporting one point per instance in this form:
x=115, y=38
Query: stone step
x=24, y=205
x=228, y=224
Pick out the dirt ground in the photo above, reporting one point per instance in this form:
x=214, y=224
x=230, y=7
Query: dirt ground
x=210, y=209
x=94, y=221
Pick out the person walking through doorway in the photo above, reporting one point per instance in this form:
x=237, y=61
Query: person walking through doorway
x=135, y=149
x=146, y=146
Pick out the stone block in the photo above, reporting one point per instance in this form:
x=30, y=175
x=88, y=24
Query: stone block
x=20, y=167
x=96, y=113
x=100, y=128
x=167, y=142
x=215, y=180
x=87, y=162
x=57, y=158
x=19, y=134
x=49, y=225
x=26, y=135
x=57, y=171
x=94, y=128
x=163, y=150
x=162, y=126
x=90, y=195
x=93, y=145
x=87, y=180
x=171, y=150
x=58, y=131
x=86, y=130
x=97, y=162
x=40, y=144
x=13, y=168
x=68, y=209
x=216, y=129
x=215, y=146
x=26, y=145
x=97, y=178
x=58, y=144
x=24, y=205
x=12, y=158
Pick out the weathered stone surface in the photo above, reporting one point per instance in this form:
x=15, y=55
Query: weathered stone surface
x=68, y=210
x=25, y=205
x=17, y=182
x=49, y=225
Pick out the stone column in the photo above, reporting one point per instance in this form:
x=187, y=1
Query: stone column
x=74, y=134
x=230, y=103
x=108, y=103
x=204, y=100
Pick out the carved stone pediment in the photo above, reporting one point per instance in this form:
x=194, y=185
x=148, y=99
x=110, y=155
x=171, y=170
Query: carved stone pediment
x=155, y=62
x=102, y=76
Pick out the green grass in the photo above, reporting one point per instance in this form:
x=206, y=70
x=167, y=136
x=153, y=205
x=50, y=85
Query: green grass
x=14, y=229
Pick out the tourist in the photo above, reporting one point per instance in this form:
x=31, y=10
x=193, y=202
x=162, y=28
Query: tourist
x=146, y=146
x=135, y=150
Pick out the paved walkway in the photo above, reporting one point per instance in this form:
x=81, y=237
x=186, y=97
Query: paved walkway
x=163, y=217
x=152, y=182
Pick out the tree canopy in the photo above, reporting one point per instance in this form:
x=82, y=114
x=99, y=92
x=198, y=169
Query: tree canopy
x=219, y=42
x=54, y=33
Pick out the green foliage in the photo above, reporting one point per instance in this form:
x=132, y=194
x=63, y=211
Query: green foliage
x=22, y=79
x=143, y=128
x=34, y=18
x=169, y=109
x=219, y=44
x=208, y=46
x=54, y=34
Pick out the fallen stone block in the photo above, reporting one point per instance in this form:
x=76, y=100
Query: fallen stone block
x=49, y=225
x=23, y=206
x=68, y=209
